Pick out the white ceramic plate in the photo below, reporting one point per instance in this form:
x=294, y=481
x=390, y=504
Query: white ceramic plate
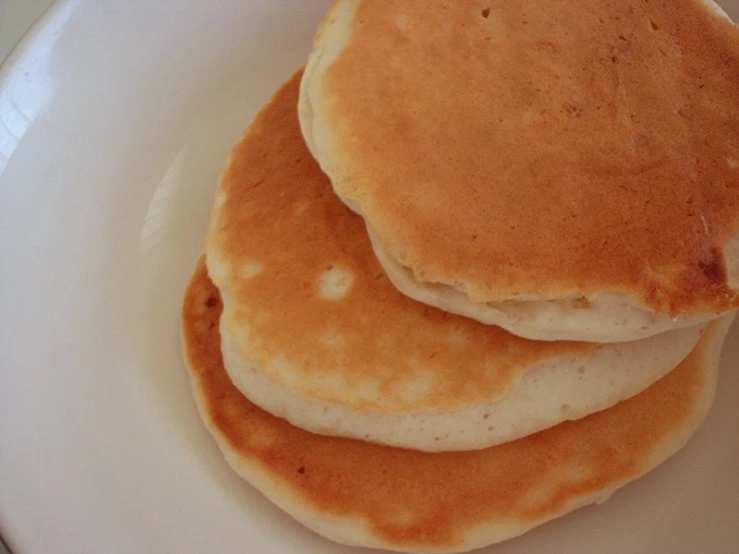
x=115, y=119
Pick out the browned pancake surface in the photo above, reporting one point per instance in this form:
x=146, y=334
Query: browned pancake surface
x=410, y=498
x=543, y=148
x=277, y=212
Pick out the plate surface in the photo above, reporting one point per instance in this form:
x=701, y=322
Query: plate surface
x=115, y=120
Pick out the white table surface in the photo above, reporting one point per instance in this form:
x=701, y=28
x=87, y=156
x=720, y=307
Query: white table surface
x=16, y=16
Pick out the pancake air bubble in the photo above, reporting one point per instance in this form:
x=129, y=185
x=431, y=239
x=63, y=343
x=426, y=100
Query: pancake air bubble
x=335, y=282
x=251, y=269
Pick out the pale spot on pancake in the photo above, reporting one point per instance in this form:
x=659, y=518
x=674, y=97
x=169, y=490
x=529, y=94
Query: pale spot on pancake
x=318, y=380
x=531, y=116
x=300, y=208
x=704, y=223
x=220, y=199
x=418, y=388
x=285, y=369
x=262, y=438
x=218, y=268
x=251, y=269
x=332, y=339
x=403, y=518
x=561, y=477
x=368, y=387
x=402, y=23
x=733, y=163
x=457, y=336
x=335, y=283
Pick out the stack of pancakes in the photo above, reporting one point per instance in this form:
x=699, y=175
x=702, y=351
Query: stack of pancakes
x=473, y=267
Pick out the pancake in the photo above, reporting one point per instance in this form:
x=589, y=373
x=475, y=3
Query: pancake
x=314, y=332
x=363, y=494
x=567, y=170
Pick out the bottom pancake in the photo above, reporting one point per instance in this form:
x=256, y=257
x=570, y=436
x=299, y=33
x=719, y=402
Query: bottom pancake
x=365, y=494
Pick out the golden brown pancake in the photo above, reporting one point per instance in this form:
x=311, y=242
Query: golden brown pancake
x=314, y=332
x=364, y=494
x=560, y=167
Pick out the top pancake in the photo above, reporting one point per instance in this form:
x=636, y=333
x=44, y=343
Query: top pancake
x=538, y=150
